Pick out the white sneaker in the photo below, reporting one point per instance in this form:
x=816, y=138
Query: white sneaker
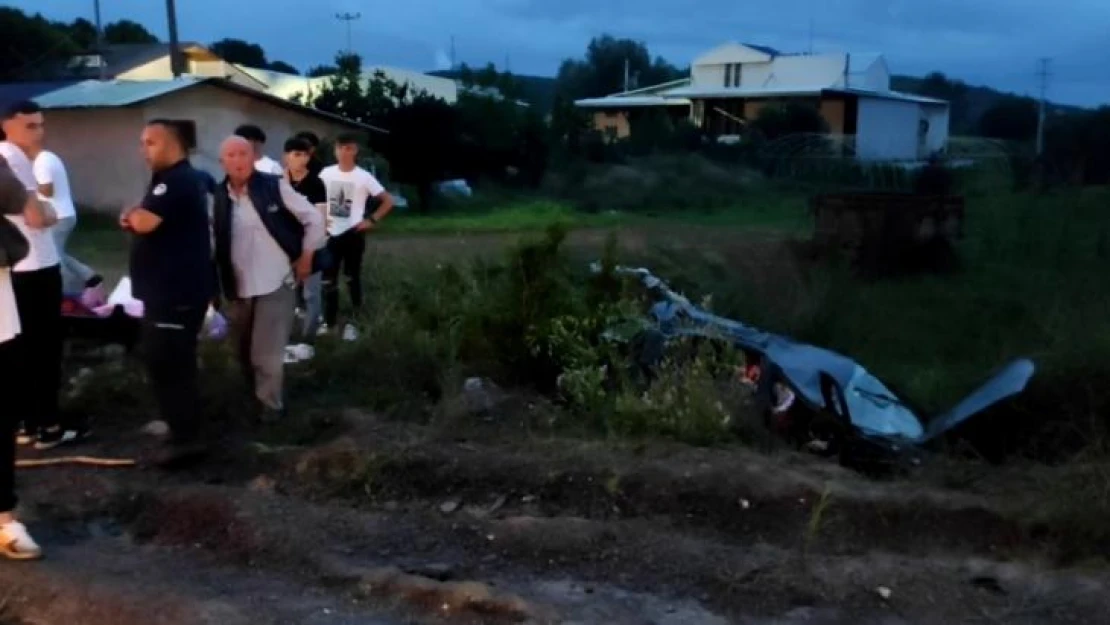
x=298, y=352
x=322, y=330
x=17, y=544
x=350, y=333
x=159, y=429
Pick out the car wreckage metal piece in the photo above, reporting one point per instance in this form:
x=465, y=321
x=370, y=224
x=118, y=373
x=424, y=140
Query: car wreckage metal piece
x=825, y=380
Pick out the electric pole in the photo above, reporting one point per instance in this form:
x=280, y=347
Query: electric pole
x=627, y=76
x=348, y=18
x=1043, y=74
x=100, y=42
x=453, y=64
x=175, y=54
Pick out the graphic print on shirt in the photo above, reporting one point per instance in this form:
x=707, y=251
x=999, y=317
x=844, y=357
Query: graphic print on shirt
x=340, y=199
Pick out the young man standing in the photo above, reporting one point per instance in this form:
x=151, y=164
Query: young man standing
x=257, y=139
x=37, y=282
x=20, y=206
x=298, y=155
x=172, y=274
x=266, y=235
x=314, y=164
x=53, y=181
x=349, y=187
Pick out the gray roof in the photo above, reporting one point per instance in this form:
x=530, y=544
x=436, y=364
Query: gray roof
x=124, y=57
x=768, y=50
x=13, y=92
x=120, y=93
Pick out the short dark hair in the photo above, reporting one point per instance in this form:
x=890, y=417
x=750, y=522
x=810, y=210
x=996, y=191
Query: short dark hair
x=348, y=138
x=183, y=131
x=309, y=136
x=297, y=144
x=22, y=107
x=250, y=132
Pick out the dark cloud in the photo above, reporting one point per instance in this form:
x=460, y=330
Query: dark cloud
x=996, y=42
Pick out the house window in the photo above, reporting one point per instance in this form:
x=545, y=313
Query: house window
x=736, y=75
x=728, y=76
x=732, y=75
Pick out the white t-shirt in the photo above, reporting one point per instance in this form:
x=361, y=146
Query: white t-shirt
x=268, y=165
x=43, y=252
x=49, y=169
x=347, y=195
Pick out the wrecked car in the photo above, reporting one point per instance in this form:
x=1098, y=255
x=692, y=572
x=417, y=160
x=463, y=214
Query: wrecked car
x=854, y=413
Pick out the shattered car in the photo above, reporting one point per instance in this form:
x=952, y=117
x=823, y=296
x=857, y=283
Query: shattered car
x=862, y=411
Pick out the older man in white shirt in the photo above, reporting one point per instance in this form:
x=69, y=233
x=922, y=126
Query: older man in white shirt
x=266, y=235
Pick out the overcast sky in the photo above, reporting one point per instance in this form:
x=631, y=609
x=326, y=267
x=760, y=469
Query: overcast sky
x=993, y=42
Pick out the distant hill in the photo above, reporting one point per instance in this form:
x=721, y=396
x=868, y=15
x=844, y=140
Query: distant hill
x=539, y=91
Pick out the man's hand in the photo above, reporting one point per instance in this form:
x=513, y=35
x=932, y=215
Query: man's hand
x=364, y=226
x=125, y=218
x=302, y=269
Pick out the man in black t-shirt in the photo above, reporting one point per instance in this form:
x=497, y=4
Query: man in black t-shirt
x=310, y=298
x=171, y=273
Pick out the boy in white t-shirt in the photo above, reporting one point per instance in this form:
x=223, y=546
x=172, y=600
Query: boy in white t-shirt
x=53, y=182
x=15, y=542
x=349, y=188
x=37, y=282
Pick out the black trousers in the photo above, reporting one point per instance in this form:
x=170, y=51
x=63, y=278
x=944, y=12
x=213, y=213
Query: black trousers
x=169, y=347
x=37, y=376
x=346, y=250
x=9, y=364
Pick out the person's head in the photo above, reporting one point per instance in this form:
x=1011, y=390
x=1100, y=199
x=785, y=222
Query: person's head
x=237, y=159
x=297, y=153
x=23, y=125
x=254, y=135
x=312, y=140
x=164, y=143
x=346, y=150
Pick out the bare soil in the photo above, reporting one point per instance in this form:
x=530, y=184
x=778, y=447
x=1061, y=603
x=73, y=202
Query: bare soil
x=385, y=522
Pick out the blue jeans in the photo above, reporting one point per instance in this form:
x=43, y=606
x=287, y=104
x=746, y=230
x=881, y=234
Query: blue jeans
x=313, y=290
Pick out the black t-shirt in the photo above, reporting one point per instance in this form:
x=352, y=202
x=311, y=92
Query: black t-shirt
x=172, y=266
x=311, y=187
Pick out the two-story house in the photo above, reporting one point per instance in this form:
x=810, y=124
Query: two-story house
x=728, y=86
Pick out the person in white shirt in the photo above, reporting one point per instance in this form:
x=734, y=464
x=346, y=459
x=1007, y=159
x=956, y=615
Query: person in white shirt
x=15, y=542
x=257, y=139
x=266, y=236
x=349, y=187
x=53, y=181
x=37, y=281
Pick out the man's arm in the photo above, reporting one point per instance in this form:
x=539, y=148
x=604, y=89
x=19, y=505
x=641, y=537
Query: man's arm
x=385, y=204
x=151, y=212
x=44, y=176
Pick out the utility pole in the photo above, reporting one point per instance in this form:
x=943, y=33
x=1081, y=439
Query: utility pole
x=348, y=18
x=811, y=36
x=100, y=42
x=626, y=74
x=453, y=64
x=175, y=53
x=1043, y=74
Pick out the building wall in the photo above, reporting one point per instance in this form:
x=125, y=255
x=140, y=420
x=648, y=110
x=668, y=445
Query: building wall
x=833, y=112
x=612, y=122
x=888, y=129
x=937, y=137
x=100, y=148
x=158, y=69
x=219, y=111
x=791, y=71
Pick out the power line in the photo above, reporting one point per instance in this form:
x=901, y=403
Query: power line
x=1043, y=74
x=348, y=18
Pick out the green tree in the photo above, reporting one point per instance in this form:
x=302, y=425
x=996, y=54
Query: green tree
x=602, y=71
x=240, y=52
x=282, y=66
x=1011, y=119
x=32, y=47
x=319, y=71
x=83, y=33
x=127, y=31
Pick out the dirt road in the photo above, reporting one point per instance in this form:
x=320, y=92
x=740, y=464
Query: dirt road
x=385, y=523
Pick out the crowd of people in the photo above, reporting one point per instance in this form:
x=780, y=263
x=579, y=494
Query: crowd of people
x=264, y=246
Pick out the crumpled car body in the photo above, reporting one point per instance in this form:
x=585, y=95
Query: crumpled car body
x=826, y=380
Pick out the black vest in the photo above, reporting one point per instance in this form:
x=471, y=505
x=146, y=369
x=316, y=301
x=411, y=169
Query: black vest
x=264, y=191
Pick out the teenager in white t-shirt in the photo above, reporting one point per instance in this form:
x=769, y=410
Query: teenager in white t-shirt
x=349, y=188
x=37, y=281
x=53, y=184
x=15, y=542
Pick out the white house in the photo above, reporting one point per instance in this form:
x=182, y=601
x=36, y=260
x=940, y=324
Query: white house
x=729, y=84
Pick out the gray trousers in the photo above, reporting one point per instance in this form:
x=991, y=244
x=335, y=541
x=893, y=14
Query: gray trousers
x=75, y=274
x=260, y=327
